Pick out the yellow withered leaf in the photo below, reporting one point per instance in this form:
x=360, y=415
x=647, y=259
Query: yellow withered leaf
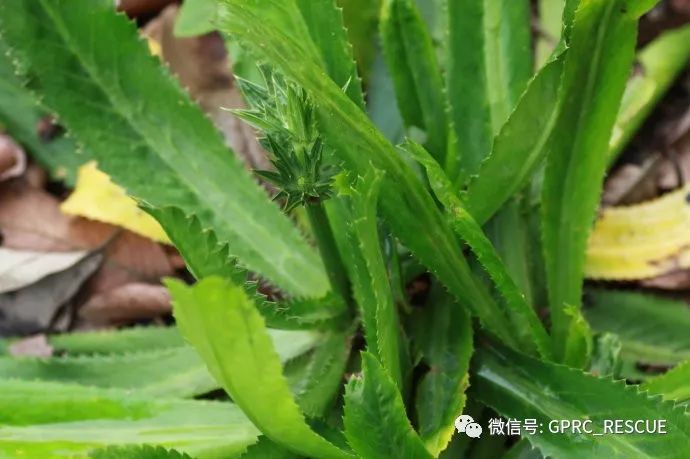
x=641, y=241
x=98, y=198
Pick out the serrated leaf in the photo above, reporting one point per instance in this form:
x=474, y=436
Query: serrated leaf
x=326, y=313
x=515, y=155
x=205, y=257
x=489, y=63
x=137, y=452
x=672, y=385
x=361, y=19
x=661, y=61
x=407, y=206
x=652, y=330
x=371, y=285
x=550, y=24
x=324, y=19
x=147, y=134
x=139, y=339
x=222, y=323
x=96, y=197
x=411, y=59
x=443, y=333
x=520, y=387
x=21, y=115
x=203, y=254
x=319, y=375
x=529, y=330
x=376, y=425
x=174, y=372
x=116, y=341
x=510, y=232
x=72, y=420
x=641, y=241
x=596, y=68
x=266, y=449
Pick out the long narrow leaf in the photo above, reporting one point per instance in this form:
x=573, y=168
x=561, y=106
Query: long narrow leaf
x=595, y=71
x=653, y=330
x=520, y=314
x=320, y=374
x=489, y=63
x=170, y=371
x=443, y=333
x=376, y=424
x=661, y=61
x=221, y=322
x=516, y=154
x=520, y=387
x=411, y=60
x=371, y=285
x=69, y=420
x=326, y=26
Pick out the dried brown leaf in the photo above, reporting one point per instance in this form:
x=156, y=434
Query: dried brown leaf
x=128, y=303
x=33, y=346
x=12, y=158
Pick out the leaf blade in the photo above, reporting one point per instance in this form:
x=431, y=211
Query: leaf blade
x=520, y=387
x=661, y=61
x=489, y=63
x=375, y=421
x=65, y=419
x=411, y=60
x=595, y=71
x=444, y=335
x=515, y=156
x=519, y=313
x=225, y=328
x=652, y=330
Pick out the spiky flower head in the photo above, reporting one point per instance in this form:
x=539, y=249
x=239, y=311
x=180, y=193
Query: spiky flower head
x=285, y=115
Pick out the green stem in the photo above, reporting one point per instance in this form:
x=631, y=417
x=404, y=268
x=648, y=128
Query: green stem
x=329, y=250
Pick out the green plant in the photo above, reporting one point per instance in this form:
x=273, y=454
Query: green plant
x=502, y=159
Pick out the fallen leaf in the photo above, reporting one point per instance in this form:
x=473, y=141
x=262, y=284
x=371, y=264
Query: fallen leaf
x=33, y=346
x=36, y=176
x=676, y=169
x=30, y=219
x=130, y=258
x=98, y=198
x=135, y=8
x=681, y=6
x=12, y=158
x=128, y=303
x=676, y=280
x=641, y=241
x=21, y=268
x=34, y=308
x=631, y=183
